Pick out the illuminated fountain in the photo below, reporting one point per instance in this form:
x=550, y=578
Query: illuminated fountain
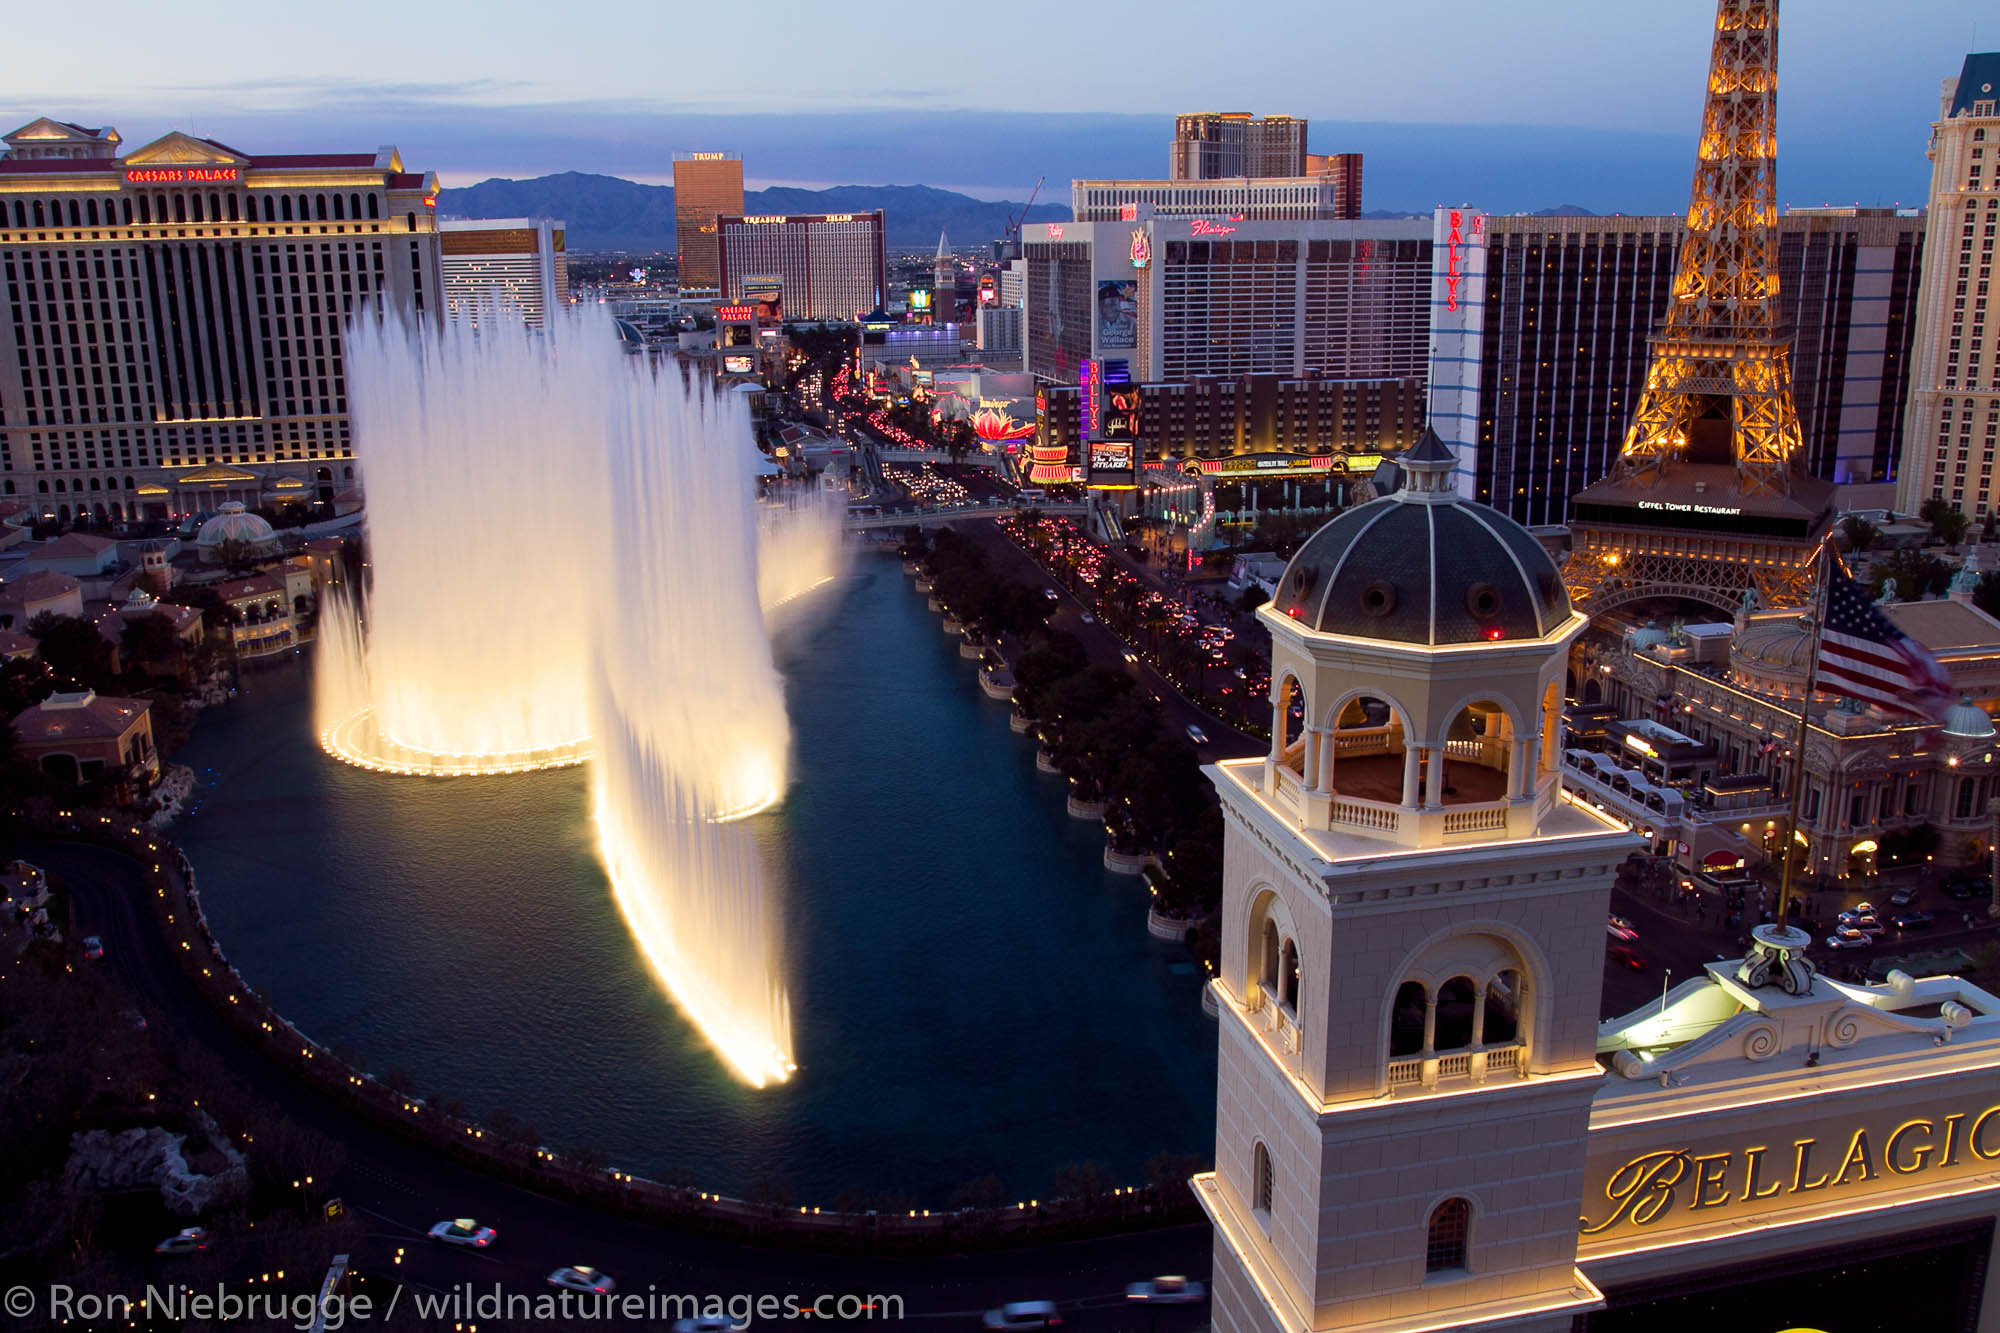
x=799, y=544
x=689, y=715
x=477, y=483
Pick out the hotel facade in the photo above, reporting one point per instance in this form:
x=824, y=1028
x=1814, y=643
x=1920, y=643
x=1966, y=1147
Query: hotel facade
x=173, y=334
x=1953, y=417
x=829, y=266
x=520, y=263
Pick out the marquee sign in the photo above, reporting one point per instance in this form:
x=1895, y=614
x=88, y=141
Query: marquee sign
x=1455, y=240
x=181, y=175
x=1669, y=1187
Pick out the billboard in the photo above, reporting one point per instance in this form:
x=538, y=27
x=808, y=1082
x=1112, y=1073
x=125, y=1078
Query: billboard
x=919, y=300
x=1117, y=315
x=737, y=365
x=1110, y=456
x=1090, y=375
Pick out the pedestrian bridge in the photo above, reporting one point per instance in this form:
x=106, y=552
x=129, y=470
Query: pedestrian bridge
x=931, y=517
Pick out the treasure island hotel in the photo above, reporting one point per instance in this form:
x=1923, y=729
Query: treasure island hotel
x=173, y=329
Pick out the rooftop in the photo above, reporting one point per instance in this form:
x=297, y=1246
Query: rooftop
x=84, y=714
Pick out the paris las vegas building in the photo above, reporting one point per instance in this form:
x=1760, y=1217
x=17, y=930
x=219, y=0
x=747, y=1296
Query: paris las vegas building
x=172, y=336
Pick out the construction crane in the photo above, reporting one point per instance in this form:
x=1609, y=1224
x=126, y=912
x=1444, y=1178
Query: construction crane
x=1014, y=225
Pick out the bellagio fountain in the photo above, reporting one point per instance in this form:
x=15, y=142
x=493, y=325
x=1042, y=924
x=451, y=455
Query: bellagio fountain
x=569, y=561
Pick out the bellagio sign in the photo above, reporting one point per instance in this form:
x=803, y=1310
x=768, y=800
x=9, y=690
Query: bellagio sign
x=1674, y=1187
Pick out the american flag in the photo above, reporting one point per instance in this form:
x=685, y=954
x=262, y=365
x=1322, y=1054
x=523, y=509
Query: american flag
x=1863, y=656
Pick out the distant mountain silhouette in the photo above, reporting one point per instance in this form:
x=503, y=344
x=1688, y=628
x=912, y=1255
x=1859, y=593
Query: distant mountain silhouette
x=1563, y=211
x=611, y=213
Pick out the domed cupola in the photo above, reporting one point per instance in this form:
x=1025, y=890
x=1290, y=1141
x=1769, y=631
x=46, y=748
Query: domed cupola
x=1418, y=650
x=1425, y=565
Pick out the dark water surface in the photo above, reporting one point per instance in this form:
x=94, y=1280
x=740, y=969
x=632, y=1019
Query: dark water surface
x=971, y=992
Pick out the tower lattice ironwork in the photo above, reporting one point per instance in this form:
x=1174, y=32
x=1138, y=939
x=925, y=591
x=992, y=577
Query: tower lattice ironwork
x=1718, y=389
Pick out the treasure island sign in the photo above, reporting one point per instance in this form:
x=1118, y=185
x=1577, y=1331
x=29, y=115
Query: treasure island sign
x=1670, y=1188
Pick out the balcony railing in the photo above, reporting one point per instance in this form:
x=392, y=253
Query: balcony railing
x=1367, y=814
x=1472, y=1066
x=1483, y=819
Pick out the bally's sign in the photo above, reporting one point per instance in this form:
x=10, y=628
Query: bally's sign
x=1675, y=1187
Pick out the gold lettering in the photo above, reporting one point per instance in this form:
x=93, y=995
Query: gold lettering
x=1801, y=1162
x=1642, y=1189
x=1754, y=1159
x=1857, y=1155
x=1950, y=1156
x=1710, y=1190
x=1917, y=1154
x=1977, y=1137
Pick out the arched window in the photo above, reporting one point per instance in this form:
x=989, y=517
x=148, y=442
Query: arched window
x=1501, y=1023
x=1288, y=977
x=319, y=207
x=374, y=206
x=354, y=207
x=125, y=208
x=1261, y=1182
x=1451, y=1223
x=90, y=211
x=75, y=214
x=1267, y=958
x=129, y=485
x=41, y=219
x=194, y=208
x=1406, y=1020
x=180, y=208
x=412, y=221
x=1455, y=1001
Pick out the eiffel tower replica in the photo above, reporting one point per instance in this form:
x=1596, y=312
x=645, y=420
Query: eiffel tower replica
x=1708, y=499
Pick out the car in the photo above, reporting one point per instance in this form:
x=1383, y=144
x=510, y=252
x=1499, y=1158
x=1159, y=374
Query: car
x=188, y=1240
x=93, y=947
x=1052, y=594
x=1129, y=656
x=1902, y=897
x=1022, y=1314
x=1967, y=888
x=135, y=1019
x=1911, y=919
x=1166, y=1291
x=1861, y=909
x=707, y=1323
x=1625, y=956
x=1197, y=735
x=583, y=1278
x=1865, y=922
x=464, y=1231
x=1088, y=618
x=1618, y=928
x=1848, y=939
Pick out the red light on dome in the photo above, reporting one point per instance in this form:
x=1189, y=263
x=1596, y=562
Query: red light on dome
x=1493, y=633
x=1295, y=612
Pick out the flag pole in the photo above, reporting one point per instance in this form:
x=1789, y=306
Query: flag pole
x=1818, y=622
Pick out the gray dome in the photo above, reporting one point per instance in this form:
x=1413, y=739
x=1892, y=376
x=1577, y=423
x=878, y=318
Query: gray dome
x=1968, y=721
x=233, y=523
x=1781, y=647
x=1428, y=568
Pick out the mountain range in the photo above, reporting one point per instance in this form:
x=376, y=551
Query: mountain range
x=611, y=213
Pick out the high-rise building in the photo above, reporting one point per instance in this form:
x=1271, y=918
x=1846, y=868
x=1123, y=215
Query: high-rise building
x=706, y=186
x=1344, y=169
x=1953, y=417
x=1709, y=499
x=1177, y=298
x=515, y=262
x=1222, y=145
x=1238, y=199
x=173, y=325
x=1569, y=305
x=828, y=266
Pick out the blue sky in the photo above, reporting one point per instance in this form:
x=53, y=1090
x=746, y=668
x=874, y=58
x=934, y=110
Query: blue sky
x=1517, y=105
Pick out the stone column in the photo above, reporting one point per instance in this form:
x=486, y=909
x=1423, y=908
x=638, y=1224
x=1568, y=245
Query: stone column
x=1411, y=796
x=1309, y=758
x=1517, y=769
x=1434, y=779
x=1327, y=752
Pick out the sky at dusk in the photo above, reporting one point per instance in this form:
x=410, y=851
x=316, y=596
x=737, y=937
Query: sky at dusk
x=1519, y=105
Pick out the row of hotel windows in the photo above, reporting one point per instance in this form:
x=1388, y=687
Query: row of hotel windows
x=76, y=484
x=145, y=209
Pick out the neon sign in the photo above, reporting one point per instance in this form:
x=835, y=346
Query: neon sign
x=1453, y=240
x=180, y=175
x=1142, y=250
x=735, y=314
x=1055, y=231
x=1091, y=375
x=1203, y=227
x=707, y=157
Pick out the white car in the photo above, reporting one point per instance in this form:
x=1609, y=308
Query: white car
x=1618, y=928
x=1847, y=939
x=1166, y=1291
x=188, y=1240
x=582, y=1278
x=464, y=1231
x=1197, y=735
x=1130, y=656
x=1089, y=619
x=93, y=948
x=1867, y=923
x=707, y=1323
x=1022, y=1314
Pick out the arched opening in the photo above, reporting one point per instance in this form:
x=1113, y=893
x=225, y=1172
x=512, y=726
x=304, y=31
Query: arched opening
x=1268, y=957
x=1406, y=1020
x=1445, y=1243
x=1478, y=758
x=1453, y=1027
x=1263, y=1183
x=1550, y=732
x=1288, y=717
x=1593, y=693
x=1366, y=756
x=1288, y=977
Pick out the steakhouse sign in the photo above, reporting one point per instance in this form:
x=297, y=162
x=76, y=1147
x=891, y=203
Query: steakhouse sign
x=1675, y=1187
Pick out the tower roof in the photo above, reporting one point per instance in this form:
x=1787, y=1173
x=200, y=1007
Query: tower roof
x=944, y=245
x=1976, y=82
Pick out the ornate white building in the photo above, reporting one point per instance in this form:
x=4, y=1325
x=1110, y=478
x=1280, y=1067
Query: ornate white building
x=1421, y=1123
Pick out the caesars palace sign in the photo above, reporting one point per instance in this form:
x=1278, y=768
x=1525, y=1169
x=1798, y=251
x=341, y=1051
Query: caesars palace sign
x=1676, y=1187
